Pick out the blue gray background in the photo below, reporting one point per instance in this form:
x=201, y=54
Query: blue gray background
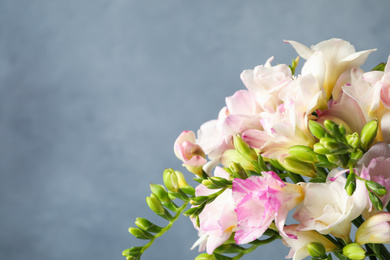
x=94, y=93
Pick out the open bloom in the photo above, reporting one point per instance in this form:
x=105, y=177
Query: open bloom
x=375, y=229
x=299, y=240
x=329, y=59
x=261, y=200
x=189, y=152
x=328, y=209
x=375, y=165
x=218, y=219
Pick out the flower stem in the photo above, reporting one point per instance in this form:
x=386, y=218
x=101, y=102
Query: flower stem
x=165, y=229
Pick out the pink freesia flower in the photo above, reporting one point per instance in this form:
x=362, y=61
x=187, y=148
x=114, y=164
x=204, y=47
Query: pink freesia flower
x=282, y=129
x=241, y=113
x=374, y=166
x=298, y=241
x=375, y=229
x=261, y=200
x=218, y=219
x=189, y=152
x=328, y=209
x=329, y=59
x=265, y=82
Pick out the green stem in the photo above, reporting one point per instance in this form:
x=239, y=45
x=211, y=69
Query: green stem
x=255, y=245
x=295, y=177
x=165, y=229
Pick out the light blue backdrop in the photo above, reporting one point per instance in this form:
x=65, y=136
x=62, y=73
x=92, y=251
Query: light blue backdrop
x=94, y=93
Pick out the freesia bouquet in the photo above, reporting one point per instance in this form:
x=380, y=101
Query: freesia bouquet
x=313, y=144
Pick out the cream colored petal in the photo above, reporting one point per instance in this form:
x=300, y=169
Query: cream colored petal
x=302, y=50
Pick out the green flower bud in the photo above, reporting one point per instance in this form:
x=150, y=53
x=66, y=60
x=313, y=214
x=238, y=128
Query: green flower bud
x=353, y=140
x=198, y=200
x=237, y=168
x=155, y=204
x=334, y=146
x=134, y=251
x=303, y=153
x=170, y=180
x=375, y=201
x=183, y=185
x=368, y=134
x=160, y=192
x=316, y=129
x=317, y=250
x=333, y=158
x=205, y=256
x=320, y=149
x=243, y=148
x=350, y=184
x=376, y=188
x=354, y=251
x=296, y=166
x=140, y=234
x=333, y=128
x=146, y=225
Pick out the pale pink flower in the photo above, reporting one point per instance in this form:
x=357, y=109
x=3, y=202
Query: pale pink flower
x=328, y=209
x=299, y=240
x=329, y=59
x=218, y=219
x=265, y=82
x=241, y=113
x=189, y=152
x=375, y=166
x=261, y=200
x=375, y=229
x=282, y=129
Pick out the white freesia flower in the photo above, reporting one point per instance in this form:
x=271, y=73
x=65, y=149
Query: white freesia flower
x=328, y=209
x=329, y=59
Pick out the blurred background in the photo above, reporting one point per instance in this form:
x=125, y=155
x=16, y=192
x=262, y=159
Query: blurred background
x=94, y=93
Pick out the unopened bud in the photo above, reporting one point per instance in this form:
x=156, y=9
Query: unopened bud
x=160, y=192
x=243, y=148
x=146, y=225
x=376, y=188
x=303, y=153
x=205, y=256
x=183, y=185
x=316, y=129
x=133, y=252
x=296, y=166
x=375, y=200
x=317, y=250
x=333, y=128
x=354, y=251
x=334, y=146
x=170, y=180
x=237, y=168
x=357, y=155
x=320, y=149
x=350, y=185
x=353, y=140
x=140, y=234
x=368, y=134
x=155, y=204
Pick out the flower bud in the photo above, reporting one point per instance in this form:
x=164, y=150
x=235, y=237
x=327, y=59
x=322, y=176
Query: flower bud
x=375, y=229
x=303, y=153
x=334, y=146
x=160, y=192
x=357, y=155
x=170, y=180
x=368, y=134
x=350, y=184
x=243, y=148
x=376, y=188
x=233, y=155
x=155, y=204
x=237, y=168
x=140, y=234
x=354, y=251
x=146, y=225
x=183, y=185
x=316, y=129
x=333, y=128
x=353, y=140
x=317, y=250
x=296, y=166
x=133, y=252
x=320, y=149
x=205, y=256
x=375, y=200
